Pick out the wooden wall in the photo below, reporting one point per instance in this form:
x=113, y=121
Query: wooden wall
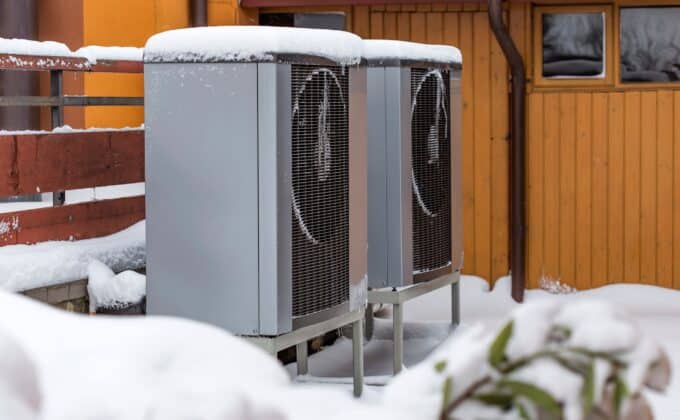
x=604, y=187
x=124, y=23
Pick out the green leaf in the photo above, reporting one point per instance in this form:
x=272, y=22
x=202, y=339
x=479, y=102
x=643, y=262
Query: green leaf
x=523, y=412
x=620, y=394
x=497, y=350
x=447, y=390
x=440, y=366
x=588, y=390
x=536, y=395
x=498, y=399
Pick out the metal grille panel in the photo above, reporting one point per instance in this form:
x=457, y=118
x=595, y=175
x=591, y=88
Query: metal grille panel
x=320, y=180
x=431, y=170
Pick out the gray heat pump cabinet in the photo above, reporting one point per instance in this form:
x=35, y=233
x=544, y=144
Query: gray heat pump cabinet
x=414, y=179
x=414, y=130
x=255, y=177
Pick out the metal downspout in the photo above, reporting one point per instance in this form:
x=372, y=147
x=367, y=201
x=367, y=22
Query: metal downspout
x=199, y=12
x=517, y=150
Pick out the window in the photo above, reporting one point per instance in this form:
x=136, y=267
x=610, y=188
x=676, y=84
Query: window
x=650, y=44
x=573, y=45
x=305, y=20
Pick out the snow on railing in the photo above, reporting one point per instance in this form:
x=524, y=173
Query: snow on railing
x=55, y=57
x=22, y=54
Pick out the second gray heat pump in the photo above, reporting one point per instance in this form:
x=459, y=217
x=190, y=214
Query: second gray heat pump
x=414, y=180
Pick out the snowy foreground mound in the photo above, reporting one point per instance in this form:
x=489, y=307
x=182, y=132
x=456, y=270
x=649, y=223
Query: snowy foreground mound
x=57, y=365
x=550, y=360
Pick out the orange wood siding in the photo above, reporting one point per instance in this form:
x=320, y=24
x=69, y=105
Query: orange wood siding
x=124, y=23
x=62, y=21
x=604, y=205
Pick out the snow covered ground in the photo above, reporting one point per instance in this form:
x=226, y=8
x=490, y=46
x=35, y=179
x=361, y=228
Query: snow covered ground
x=57, y=365
x=655, y=309
x=25, y=267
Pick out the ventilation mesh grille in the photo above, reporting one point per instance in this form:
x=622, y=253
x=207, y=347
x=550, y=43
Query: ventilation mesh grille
x=320, y=179
x=430, y=177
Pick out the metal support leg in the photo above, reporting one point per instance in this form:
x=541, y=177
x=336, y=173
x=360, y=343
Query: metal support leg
x=57, y=116
x=358, y=356
x=302, y=361
x=370, y=322
x=398, y=335
x=455, y=304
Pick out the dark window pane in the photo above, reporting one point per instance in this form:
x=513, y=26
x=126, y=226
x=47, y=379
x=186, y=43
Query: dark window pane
x=277, y=19
x=305, y=20
x=573, y=45
x=320, y=21
x=650, y=44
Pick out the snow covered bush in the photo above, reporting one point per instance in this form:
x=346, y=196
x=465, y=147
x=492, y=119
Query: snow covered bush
x=581, y=360
x=107, y=289
x=119, y=368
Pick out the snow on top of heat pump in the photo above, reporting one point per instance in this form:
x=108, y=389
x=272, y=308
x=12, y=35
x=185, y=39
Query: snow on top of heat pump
x=96, y=52
x=251, y=44
x=28, y=47
x=382, y=50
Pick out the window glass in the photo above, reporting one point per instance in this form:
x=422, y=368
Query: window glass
x=650, y=44
x=305, y=20
x=573, y=45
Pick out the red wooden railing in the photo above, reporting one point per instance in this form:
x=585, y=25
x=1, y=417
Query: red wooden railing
x=58, y=161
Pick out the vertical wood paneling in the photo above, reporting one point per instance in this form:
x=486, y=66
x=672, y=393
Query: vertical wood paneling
x=616, y=188
x=451, y=36
x=583, y=221
x=599, y=192
x=435, y=31
x=404, y=26
x=535, y=188
x=390, y=24
x=664, y=194
x=632, y=187
x=551, y=185
x=468, y=149
x=567, y=188
x=418, y=29
x=361, y=21
x=648, y=187
x=482, y=133
x=676, y=191
x=499, y=163
x=377, y=31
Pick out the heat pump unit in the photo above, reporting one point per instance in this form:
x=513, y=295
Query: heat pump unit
x=414, y=188
x=256, y=176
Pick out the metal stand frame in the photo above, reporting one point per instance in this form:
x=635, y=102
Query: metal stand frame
x=397, y=297
x=299, y=338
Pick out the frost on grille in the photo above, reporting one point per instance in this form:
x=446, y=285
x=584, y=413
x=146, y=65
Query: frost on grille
x=431, y=169
x=320, y=195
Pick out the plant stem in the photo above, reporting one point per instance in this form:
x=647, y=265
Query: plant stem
x=464, y=396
